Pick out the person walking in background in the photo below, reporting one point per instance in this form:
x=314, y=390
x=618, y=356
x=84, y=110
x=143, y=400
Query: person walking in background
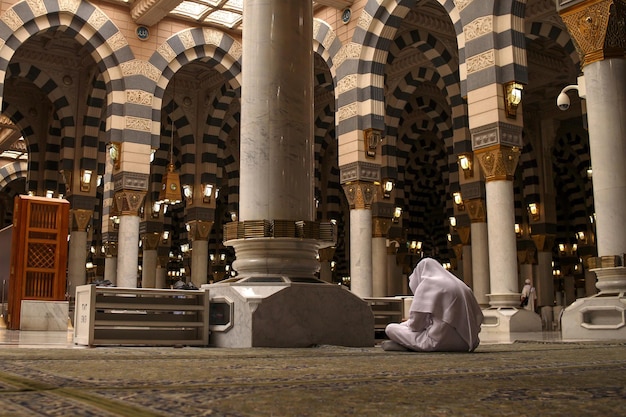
x=444, y=314
x=528, y=297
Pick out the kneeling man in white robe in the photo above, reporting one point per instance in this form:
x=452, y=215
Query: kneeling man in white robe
x=444, y=315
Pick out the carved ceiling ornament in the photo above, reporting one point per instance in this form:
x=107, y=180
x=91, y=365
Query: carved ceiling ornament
x=597, y=28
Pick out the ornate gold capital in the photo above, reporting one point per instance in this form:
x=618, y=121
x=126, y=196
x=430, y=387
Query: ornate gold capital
x=476, y=210
x=380, y=226
x=199, y=229
x=464, y=233
x=110, y=249
x=498, y=162
x=150, y=241
x=543, y=243
x=597, y=27
x=360, y=194
x=326, y=254
x=79, y=219
x=129, y=202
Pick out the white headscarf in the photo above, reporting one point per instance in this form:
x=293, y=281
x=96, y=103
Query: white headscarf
x=438, y=292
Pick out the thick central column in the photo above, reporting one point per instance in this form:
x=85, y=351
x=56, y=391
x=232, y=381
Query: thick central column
x=276, y=181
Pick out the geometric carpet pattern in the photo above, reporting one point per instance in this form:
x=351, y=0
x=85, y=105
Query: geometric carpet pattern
x=518, y=379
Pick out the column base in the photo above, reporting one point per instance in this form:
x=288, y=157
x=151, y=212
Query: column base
x=270, y=256
x=601, y=316
x=504, y=300
x=502, y=321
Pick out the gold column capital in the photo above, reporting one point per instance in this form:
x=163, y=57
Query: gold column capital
x=597, y=27
x=498, y=162
x=476, y=210
x=79, y=219
x=129, y=202
x=543, y=243
x=464, y=233
x=110, y=249
x=199, y=229
x=326, y=254
x=150, y=241
x=360, y=194
x=380, y=226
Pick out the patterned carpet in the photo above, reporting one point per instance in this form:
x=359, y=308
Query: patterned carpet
x=519, y=379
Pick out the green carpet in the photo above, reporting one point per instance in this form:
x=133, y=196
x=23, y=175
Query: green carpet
x=520, y=379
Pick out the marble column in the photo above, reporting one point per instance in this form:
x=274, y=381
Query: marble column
x=199, y=231
x=77, y=251
x=128, y=204
x=276, y=232
x=361, y=279
x=110, y=262
x=598, y=30
x=326, y=256
x=394, y=271
x=499, y=163
x=380, y=227
x=161, y=272
x=544, y=283
x=480, y=250
x=468, y=278
x=150, y=243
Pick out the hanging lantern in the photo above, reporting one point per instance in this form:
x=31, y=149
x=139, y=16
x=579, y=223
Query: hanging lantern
x=170, y=189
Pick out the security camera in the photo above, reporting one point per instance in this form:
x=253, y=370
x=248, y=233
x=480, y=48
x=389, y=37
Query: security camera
x=562, y=101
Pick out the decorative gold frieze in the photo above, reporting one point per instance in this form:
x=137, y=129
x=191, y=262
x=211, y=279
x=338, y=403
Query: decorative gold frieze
x=598, y=29
x=79, y=219
x=129, y=202
x=498, y=162
x=360, y=194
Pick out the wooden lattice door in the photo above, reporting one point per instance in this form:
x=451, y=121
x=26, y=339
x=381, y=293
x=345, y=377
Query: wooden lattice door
x=39, y=253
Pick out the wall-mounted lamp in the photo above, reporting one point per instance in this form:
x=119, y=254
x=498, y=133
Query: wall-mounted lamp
x=533, y=211
x=589, y=173
x=188, y=193
x=452, y=221
x=465, y=163
x=458, y=200
x=397, y=213
x=49, y=194
x=373, y=138
x=207, y=193
x=387, y=188
x=165, y=236
x=156, y=209
x=85, y=179
x=518, y=230
x=512, y=98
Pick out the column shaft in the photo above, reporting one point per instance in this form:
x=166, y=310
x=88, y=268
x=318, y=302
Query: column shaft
x=360, y=252
x=128, y=254
x=500, y=228
x=77, y=256
x=379, y=267
x=199, y=262
x=606, y=114
x=148, y=268
x=480, y=263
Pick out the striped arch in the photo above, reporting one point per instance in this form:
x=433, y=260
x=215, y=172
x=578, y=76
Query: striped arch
x=560, y=36
x=574, y=190
x=326, y=45
x=531, y=191
x=327, y=186
x=220, y=106
x=88, y=25
x=64, y=113
x=229, y=159
x=497, y=55
x=219, y=50
x=93, y=145
x=12, y=172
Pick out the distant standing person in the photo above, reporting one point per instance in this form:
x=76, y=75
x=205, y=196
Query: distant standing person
x=444, y=314
x=528, y=297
